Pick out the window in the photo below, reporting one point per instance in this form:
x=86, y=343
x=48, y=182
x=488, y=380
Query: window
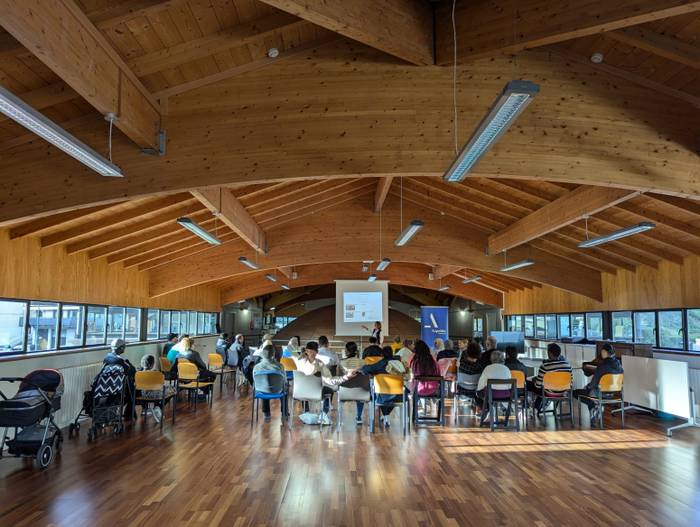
x=192, y=326
x=671, y=329
x=211, y=326
x=281, y=322
x=594, y=326
x=529, y=326
x=693, y=325
x=132, y=324
x=12, y=318
x=183, y=323
x=478, y=327
x=43, y=326
x=550, y=322
x=200, y=323
x=564, y=322
x=115, y=323
x=72, y=318
x=578, y=325
x=622, y=326
x=152, y=324
x=645, y=327
x=164, y=324
x=515, y=323
x=175, y=322
x=96, y=325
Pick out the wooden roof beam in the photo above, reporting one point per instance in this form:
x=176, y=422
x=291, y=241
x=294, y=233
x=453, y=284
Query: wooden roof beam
x=569, y=208
x=441, y=271
x=229, y=210
x=64, y=39
x=402, y=28
x=660, y=45
x=383, y=186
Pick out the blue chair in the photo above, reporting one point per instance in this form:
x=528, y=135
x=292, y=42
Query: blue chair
x=268, y=385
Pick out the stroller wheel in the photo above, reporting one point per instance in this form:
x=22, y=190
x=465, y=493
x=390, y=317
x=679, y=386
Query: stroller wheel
x=44, y=456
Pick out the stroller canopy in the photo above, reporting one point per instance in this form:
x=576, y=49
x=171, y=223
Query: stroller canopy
x=45, y=379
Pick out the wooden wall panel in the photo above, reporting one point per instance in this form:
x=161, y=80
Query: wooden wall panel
x=28, y=271
x=671, y=285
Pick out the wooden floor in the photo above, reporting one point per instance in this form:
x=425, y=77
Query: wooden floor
x=214, y=469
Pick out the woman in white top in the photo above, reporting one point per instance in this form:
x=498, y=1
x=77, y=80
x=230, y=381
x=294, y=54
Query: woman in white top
x=495, y=370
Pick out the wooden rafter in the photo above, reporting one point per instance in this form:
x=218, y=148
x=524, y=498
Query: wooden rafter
x=383, y=186
x=667, y=47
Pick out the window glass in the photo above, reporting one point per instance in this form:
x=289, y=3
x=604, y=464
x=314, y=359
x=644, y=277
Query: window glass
x=12, y=318
x=211, y=328
x=200, y=323
x=594, y=325
x=478, y=327
x=132, y=326
x=578, y=325
x=72, y=318
x=96, y=325
x=564, y=323
x=529, y=326
x=164, y=324
x=539, y=327
x=693, y=329
x=645, y=327
x=175, y=322
x=152, y=324
x=281, y=322
x=43, y=326
x=622, y=326
x=183, y=323
x=551, y=326
x=192, y=327
x=115, y=323
x=671, y=329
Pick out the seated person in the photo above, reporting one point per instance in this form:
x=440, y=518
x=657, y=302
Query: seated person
x=292, y=349
x=469, y=360
x=424, y=365
x=406, y=353
x=373, y=350
x=496, y=370
x=172, y=340
x=221, y=341
x=512, y=362
x=325, y=354
x=608, y=364
x=438, y=346
x=489, y=346
x=396, y=344
x=236, y=352
x=148, y=363
x=188, y=352
x=268, y=363
x=114, y=358
x=555, y=361
x=447, y=352
x=350, y=359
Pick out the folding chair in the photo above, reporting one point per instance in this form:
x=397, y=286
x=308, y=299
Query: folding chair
x=188, y=380
x=385, y=384
x=438, y=395
x=356, y=389
x=153, y=381
x=166, y=369
x=610, y=392
x=557, y=387
x=268, y=385
x=501, y=391
x=217, y=366
x=289, y=367
x=306, y=388
x=519, y=377
x=448, y=370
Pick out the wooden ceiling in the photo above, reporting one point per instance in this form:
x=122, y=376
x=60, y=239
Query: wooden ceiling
x=315, y=159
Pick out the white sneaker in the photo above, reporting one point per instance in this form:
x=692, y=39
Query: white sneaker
x=324, y=418
x=157, y=414
x=387, y=424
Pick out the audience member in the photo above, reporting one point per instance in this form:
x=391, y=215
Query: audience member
x=608, y=363
x=423, y=365
x=187, y=352
x=489, y=346
x=512, y=362
x=555, y=361
x=325, y=354
x=265, y=341
x=438, y=346
x=269, y=363
x=293, y=348
x=469, y=360
x=373, y=350
x=148, y=363
x=236, y=351
x=447, y=352
x=495, y=370
x=114, y=358
x=396, y=345
x=406, y=352
x=221, y=341
x=172, y=340
x=350, y=360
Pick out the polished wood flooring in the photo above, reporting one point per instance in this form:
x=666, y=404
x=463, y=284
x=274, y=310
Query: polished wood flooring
x=214, y=469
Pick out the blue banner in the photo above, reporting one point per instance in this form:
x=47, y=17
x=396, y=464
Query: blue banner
x=433, y=323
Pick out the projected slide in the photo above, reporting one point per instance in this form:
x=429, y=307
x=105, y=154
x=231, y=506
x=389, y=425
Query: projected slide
x=361, y=306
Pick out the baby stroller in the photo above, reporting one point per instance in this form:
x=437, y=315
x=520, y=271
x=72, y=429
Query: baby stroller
x=31, y=413
x=104, y=403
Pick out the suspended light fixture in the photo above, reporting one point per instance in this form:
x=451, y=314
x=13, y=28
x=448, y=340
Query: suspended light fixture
x=471, y=279
x=271, y=277
x=19, y=111
x=200, y=231
x=517, y=265
x=616, y=235
x=515, y=97
x=372, y=277
x=285, y=287
x=247, y=262
x=409, y=232
x=383, y=264
x=445, y=287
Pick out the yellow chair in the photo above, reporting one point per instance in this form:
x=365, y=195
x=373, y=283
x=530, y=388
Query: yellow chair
x=610, y=392
x=216, y=365
x=372, y=360
x=152, y=381
x=188, y=380
x=557, y=387
x=167, y=369
x=519, y=377
x=289, y=367
x=385, y=384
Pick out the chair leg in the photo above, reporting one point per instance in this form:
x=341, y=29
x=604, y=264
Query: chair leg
x=622, y=413
x=291, y=413
x=252, y=412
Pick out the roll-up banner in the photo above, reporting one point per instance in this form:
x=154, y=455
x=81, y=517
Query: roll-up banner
x=433, y=323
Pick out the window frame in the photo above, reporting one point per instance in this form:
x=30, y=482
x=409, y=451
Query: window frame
x=684, y=329
x=602, y=325
x=655, y=342
x=561, y=316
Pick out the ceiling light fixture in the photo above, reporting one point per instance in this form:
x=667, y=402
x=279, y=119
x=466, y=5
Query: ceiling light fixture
x=471, y=279
x=383, y=264
x=372, y=277
x=273, y=53
x=200, y=231
x=285, y=287
x=19, y=111
x=515, y=97
x=445, y=287
x=409, y=232
x=616, y=235
x=248, y=263
x=271, y=277
x=597, y=58
x=517, y=265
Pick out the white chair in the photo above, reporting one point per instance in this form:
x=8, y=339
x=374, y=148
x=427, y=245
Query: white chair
x=357, y=390
x=307, y=389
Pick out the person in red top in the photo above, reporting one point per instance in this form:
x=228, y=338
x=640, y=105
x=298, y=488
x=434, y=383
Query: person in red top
x=423, y=364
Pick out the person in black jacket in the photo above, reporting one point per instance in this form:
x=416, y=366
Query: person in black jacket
x=608, y=364
x=114, y=358
x=448, y=352
x=373, y=350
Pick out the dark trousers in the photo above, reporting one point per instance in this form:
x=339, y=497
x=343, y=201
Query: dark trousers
x=266, y=407
x=381, y=399
x=530, y=387
x=588, y=402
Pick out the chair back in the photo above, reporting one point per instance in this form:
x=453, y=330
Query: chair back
x=501, y=389
x=307, y=387
x=611, y=382
x=186, y=371
x=288, y=364
x=165, y=364
x=557, y=381
x=372, y=360
x=216, y=361
x=386, y=384
x=468, y=381
x=149, y=380
x=271, y=381
x=355, y=389
x=182, y=360
x=519, y=377
x=448, y=368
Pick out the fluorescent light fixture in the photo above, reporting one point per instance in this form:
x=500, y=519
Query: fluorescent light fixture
x=445, y=287
x=19, y=111
x=273, y=308
x=517, y=265
x=471, y=279
x=616, y=235
x=372, y=277
x=295, y=275
x=515, y=97
x=200, y=231
x=408, y=233
x=285, y=287
x=271, y=277
x=247, y=262
x=383, y=264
